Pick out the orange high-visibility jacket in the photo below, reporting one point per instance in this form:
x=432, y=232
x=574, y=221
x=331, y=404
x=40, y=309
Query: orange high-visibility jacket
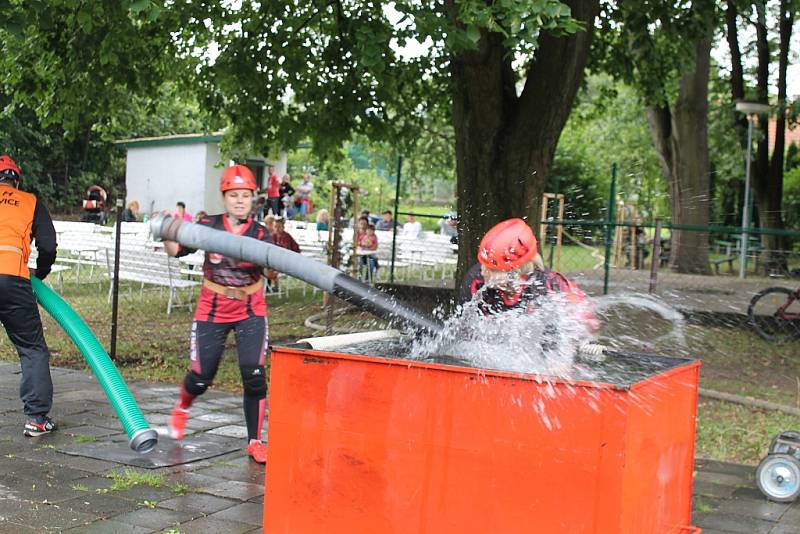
x=16, y=222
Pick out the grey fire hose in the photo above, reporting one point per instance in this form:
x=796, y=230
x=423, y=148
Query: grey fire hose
x=293, y=264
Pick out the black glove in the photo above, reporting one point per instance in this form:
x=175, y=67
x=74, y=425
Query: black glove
x=38, y=274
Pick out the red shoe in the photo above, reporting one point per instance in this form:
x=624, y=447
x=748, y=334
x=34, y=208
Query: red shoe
x=177, y=422
x=257, y=451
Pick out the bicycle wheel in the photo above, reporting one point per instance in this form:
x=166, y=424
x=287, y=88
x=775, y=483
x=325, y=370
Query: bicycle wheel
x=764, y=318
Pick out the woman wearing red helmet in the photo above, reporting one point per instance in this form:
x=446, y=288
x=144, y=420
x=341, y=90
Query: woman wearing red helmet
x=510, y=273
x=231, y=298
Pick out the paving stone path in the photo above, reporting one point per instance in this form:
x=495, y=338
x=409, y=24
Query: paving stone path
x=43, y=488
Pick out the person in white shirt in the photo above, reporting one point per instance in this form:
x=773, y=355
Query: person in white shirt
x=411, y=228
x=304, y=195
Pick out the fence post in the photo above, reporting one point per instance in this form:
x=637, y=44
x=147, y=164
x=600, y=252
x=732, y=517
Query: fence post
x=394, y=223
x=610, y=218
x=656, y=259
x=115, y=301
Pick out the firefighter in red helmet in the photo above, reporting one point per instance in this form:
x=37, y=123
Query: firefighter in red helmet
x=231, y=299
x=22, y=219
x=510, y=274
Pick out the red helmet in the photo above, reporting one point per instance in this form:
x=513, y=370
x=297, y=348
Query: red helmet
x=9, y=168
x=237, y=177
x=508, y=245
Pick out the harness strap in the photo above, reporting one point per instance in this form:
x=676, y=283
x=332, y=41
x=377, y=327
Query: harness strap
x=237, y=293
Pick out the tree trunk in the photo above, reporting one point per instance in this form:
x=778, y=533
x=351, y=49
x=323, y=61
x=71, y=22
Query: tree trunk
x=681, y=140
x=769, y=190
x=505, y=142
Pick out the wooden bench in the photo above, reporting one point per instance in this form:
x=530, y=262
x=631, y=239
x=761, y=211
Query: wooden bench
x=151, y=268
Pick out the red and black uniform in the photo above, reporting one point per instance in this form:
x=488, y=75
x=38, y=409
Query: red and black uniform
x=23, y=218
x=231, y=298
x=535, y=287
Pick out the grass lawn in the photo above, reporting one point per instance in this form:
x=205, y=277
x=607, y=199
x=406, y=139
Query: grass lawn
x=154, y=346
x=735, y=360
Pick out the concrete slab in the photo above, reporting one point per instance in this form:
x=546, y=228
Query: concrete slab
x=209, y=525
x=156, y=519
x=231, y=431
x=232, y=489
x=198, y=502
x=167, y=453
x=110, y=527
x=248, y=512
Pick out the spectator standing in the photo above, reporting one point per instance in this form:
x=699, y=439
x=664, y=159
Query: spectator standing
x=386, y=222
x=286, y=187
x=22, y=218
x=287, y=197
x=274, y=192
x=323, y=220
x=448, y=227
x=181, y=213
x=304, y=195
x=361, y=228
x=131, y=212
x=412, y=228
x=368, y=241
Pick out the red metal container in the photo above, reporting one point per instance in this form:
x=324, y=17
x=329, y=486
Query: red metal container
x=375, y=445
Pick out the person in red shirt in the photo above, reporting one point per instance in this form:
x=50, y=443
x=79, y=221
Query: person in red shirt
x=282, y=238
x=368, y=241
x=231, y=299
x=274, y=192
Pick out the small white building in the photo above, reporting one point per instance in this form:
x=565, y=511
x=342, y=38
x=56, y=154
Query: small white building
x=161, y=171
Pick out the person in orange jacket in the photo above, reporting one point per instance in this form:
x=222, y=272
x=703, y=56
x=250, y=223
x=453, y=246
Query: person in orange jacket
x=23, y=218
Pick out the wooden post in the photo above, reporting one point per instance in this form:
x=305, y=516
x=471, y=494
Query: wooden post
x=355, y=226
x=559, y=231
x=656, y=261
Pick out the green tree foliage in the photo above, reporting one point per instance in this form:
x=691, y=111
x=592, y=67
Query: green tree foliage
x=607, y=127
x=285, y=71
x=663, y=50
x=76, y=75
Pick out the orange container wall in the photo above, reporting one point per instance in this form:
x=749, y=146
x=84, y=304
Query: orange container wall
x=364, y=444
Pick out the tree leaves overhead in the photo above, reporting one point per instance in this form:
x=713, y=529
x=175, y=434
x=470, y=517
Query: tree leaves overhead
x=290, y=70
x=75, y=63
x=647, y=44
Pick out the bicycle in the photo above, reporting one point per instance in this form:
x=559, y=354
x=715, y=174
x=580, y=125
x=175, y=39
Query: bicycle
x=774, y=314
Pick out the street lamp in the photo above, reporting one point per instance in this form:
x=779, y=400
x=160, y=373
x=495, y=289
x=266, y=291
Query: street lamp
x=751, y=109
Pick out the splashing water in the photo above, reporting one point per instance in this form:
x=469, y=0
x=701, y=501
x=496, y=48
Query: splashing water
x=640, y=322
x=544, y=341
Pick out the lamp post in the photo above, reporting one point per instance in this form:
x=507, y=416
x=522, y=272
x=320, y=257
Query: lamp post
x=751, y=109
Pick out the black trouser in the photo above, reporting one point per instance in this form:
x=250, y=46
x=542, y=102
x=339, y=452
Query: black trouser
x=274, y=205
x=19, y=314
x=207, y=346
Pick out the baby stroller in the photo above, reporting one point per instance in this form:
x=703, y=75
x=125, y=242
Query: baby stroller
x=94, y=205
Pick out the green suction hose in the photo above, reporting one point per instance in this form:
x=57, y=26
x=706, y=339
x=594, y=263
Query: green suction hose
x=142, y=438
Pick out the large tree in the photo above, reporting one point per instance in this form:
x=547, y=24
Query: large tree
x=506, y=71
x=767, y=170
x=664, y=49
